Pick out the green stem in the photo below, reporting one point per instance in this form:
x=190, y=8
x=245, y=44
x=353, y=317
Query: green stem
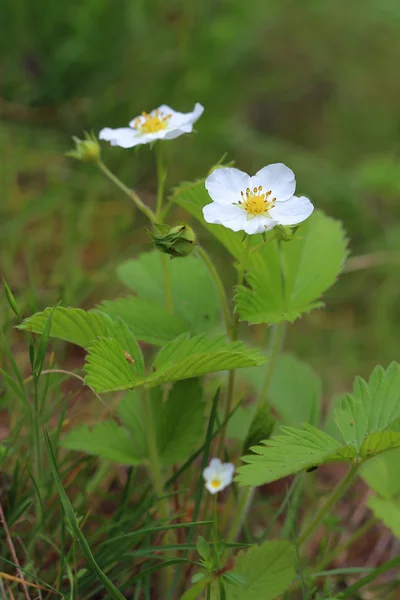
x=391, y=564
x=234, y=335
x=275, y=348
x=155, y=466
x=220, y=288
x=338, y=549
x=154, y=463
x=248, y=494
x=161, y=178
x=334, y=497
x=131, y=193
x=167, y=283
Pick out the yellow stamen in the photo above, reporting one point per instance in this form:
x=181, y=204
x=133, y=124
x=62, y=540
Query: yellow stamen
x=151, y=123
x=257, y=202
x=215, y=483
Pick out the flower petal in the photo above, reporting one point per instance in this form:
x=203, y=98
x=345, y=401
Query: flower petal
x=215, y=464
x=224, y=185
x=179, y=119
x=292, y=211
x=123, y=136
x=230, y=216
x=258, y=224
x=209, y=473
x=278, y=178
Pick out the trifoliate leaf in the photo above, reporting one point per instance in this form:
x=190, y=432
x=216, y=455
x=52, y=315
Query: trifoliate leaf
x=265, y=571
x=287, y=279
x=108, y=370
x=283, y=455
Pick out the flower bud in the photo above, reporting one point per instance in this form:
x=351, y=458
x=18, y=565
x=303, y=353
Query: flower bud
x=285, y=233
x=177, y=241
x=87, y=150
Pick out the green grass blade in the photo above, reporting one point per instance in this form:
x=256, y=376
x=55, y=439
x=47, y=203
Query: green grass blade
x=72, y=520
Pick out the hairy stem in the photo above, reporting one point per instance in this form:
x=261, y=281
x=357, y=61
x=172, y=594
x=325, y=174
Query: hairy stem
x=161, y=178
x=248, y=493
x=131, y=193
x=235, y=330
x=155, y=466
x=334, y=497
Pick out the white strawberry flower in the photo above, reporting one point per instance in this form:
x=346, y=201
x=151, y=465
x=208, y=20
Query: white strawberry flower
x=163, y=123
x=218, y=475
x=255, y=204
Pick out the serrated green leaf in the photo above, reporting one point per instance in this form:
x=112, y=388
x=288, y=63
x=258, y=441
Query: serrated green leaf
x=194, y=295
x=151, y=322
x=188, y=357
x=84, y=327
x=107, y=368
x=183, y=358
x=373, y=406
x=311, y=263
x=106, y=439
x=70, y=324
x=267, y=570
x=387, y=511
x=382, y=474
x=283, y=455
x=180, y=422
x=379, y=442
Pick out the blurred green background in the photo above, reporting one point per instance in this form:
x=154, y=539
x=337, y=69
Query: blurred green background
x=313, y=84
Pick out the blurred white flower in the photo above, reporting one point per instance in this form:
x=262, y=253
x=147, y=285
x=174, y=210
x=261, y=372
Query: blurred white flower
x=163, y=123
x=218, y=475
x=255, y=204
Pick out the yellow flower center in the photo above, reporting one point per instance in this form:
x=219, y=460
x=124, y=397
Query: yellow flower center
x=256, y=202
x=215, y=483
x=151, y=123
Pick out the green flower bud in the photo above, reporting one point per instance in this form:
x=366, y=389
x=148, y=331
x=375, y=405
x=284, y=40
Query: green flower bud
x=87, y=150
x=178, y=241
x=285, y=233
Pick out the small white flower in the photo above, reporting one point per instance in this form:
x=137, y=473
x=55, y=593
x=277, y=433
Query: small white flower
x=255, y=204
x=163, y=123
x=218, y=475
